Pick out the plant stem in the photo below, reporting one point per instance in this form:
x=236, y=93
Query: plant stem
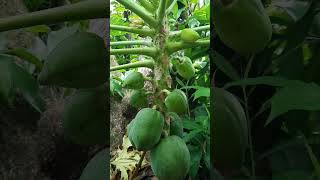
x=177, y=46
x=120, y=43
x=161, y=11
x=147, y=5
x=146, y=32
x=148, y=51
x=144, y=63
x=140, y=11
x=246, y=74
x=135, y=172
x=200, y=28
x=90, y=9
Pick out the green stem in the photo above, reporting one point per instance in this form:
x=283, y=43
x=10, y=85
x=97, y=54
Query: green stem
x=161, y=11
x=148, y=51
x=140, y=11
x=147, y=5
x=146, y=32
x=90, y=9
x=246, y=74
x=177, y=46
x=171, y=6
x=144, y=63
x=201, y=28
x=120, y=43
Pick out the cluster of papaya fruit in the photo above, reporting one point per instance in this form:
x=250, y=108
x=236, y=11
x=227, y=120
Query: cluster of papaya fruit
x=170, y=157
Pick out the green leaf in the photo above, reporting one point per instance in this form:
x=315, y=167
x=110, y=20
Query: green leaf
x=313, y=159
x=25, y=55
x=296, y=9
x=201, y=92
x=20, y=80
x=264, y=80
x=196, y=155
x=97, y=168
x=295, y=97
x=224, y=66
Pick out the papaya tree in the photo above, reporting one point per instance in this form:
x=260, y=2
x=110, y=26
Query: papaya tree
x=165, y=37
x=76, y=63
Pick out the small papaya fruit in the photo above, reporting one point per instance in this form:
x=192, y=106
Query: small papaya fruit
x=144, y=131
x=230, y=137
x=170, y=159
x=138, y=99
x=79, y=61
x=185, y=68
x=176, y=126
x=242, y=25
x=85, y=117
x=177, y=102
x=134, y=80
x=189, y=35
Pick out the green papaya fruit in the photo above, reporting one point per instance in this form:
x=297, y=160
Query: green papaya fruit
x=177, y=102
x=176, y=126
x=144, y=131
x=134, y=80
x=243, y=25
x=79, y=61
x=230, y=137
x=96, y=168
x=185, y=68
x=189, y=35
x=85, y=117
x=170, y=159
x=138, y=99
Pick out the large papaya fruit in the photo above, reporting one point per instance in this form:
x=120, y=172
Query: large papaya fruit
x=134, y=80
x=189, y=35
x=144, y=131
x=79, y=61
x=170, y=159
x=85, y=117
x=243, y=25
x=177, y=102
x=230, y=137
x=185, y=68
x=138, y=99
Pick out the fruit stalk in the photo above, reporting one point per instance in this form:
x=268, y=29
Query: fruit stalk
x=90, y=9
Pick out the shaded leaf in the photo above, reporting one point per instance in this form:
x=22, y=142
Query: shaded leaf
x=225, y=66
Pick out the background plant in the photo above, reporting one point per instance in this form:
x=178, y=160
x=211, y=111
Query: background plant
x=279, y=90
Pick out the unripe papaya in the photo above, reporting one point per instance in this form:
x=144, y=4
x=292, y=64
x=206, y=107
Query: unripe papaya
x=79, y=61
x=138, y=99
x=185, y=68
x=176, y=126
x=144, y=131
x=243, y=25
x=189, y=35
x=177, y=102
x=134, y=80
x=230, y=137
x=170, y=159
x=85, y=117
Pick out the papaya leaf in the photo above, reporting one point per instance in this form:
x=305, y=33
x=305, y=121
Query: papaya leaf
x=196, y=155
x=313, y=159
x=25, y=55
x=225, y=66
x=295, y=9
x=295, y=97
x=97, y=167
x=18, y=79
x=264, y=80
x=201, y=92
